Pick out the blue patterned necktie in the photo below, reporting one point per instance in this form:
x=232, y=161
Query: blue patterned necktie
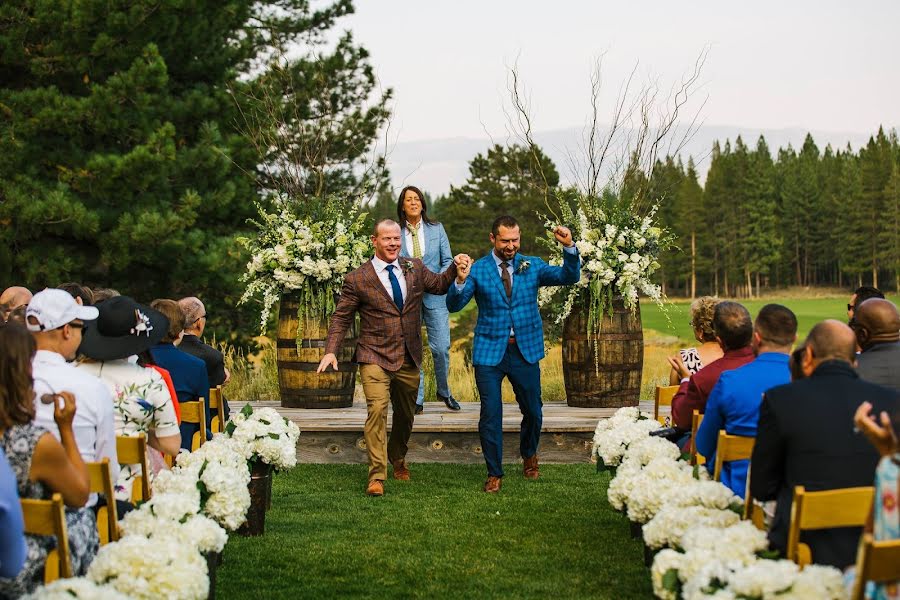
x=395, y=288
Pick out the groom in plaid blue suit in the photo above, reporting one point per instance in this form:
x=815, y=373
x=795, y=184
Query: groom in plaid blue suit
x=509, y=336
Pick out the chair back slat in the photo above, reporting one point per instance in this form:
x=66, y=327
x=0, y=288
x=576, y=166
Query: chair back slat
x=877, y=561
x=217, y=402
x=696, y=419
x=663, y=397
x=846, y=507
x=195, y=412
x=731, y=447
x=101, y=482
x=48, y=517
x=133, y=450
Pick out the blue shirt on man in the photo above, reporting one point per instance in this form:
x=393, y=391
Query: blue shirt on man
x=733, y=405
x=190, y=381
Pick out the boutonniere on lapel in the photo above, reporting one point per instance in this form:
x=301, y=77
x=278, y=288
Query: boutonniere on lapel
x=406, y=265
x=523, y=266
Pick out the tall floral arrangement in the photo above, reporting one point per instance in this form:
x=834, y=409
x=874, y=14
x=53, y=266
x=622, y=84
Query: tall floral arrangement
x=305, y=250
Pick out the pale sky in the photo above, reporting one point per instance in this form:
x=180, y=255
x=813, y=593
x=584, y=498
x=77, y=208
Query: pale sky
x=823, y=65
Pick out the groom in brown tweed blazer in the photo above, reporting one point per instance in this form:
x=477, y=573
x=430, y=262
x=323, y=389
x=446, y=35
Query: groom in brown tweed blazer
x=387, y=293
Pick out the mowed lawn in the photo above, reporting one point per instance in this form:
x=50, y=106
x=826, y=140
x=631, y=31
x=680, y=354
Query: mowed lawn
x=809, y=311
x=438, y=536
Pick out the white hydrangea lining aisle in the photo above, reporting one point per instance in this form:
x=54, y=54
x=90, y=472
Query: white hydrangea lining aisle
x=166, y=542
x=703, y=548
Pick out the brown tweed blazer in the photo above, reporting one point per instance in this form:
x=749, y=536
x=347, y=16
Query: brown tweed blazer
x=385, y=335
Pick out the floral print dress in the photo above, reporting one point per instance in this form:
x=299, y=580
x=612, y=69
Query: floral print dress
x=19, y=443
x=886, y=521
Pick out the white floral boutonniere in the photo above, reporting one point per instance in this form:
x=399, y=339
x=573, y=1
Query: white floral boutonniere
x=406, y=265
x=523, y=266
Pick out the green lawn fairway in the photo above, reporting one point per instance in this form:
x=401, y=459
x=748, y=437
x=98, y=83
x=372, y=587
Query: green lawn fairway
x=809, y=311
x=438, y=536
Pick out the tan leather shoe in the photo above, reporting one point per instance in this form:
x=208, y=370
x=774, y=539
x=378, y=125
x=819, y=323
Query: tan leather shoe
x=492, y=485
x=400, y=471
x=530, y=467
x=375, y=488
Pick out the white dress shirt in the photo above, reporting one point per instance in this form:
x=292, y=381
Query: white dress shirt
x=93, y=424
x=420, y=233
x=382, y=272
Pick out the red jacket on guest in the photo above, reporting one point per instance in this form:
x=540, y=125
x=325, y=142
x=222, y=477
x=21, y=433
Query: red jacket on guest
x=692, y=394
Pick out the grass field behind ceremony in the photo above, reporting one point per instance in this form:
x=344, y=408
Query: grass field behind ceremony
x=438, y=536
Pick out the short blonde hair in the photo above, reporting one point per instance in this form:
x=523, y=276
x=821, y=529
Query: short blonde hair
x=173, y=312
x=703, y=309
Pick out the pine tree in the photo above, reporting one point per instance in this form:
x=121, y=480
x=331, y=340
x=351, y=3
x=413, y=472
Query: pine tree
x=876, y=165
x=763, y=242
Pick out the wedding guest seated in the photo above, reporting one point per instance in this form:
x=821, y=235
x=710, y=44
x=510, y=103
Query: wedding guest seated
x=82, y=294
x=734, y=402
x=188, y=372
x=702, y=312
x=194, y=325
x=41, y=464
x=14, y=299
x=859, y=296
x=141, y=401
x=883, y=433
x=56, y=321
x=877, y=329
x=734, y=329
x=12, y=527
x=806, y=437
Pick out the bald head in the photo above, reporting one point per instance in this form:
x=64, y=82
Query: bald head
x=194, y=315
x=877, y=321
x=831, y=340
x=15, y=296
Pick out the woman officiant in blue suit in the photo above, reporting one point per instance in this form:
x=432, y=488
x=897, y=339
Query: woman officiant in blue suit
x=426, y=239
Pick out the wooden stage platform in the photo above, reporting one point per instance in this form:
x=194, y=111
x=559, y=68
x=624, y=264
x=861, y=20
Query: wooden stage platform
x=444, y=436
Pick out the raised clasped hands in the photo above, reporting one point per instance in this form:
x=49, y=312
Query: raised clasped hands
x=881, y=436
x=463, y=265
x=328, y=359
x=678, y=364
x=563, y=235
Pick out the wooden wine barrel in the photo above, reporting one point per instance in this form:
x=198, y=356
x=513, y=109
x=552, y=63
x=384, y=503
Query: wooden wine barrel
x=611, y=378
x=300, y=385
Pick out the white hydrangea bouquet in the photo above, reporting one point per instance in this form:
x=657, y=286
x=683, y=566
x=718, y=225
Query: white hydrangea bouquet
x=614, y=435
x=619, y=245
x=304, y=250
x=265, y=436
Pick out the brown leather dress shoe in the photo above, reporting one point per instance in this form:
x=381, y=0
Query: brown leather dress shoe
x=492, y=485
x=530, y=467
x=400, y=470
x=375, y=488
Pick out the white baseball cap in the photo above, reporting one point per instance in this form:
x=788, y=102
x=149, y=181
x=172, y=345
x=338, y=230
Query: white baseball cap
x=53, y=308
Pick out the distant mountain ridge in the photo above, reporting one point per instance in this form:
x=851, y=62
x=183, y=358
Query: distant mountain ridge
x=434, y=165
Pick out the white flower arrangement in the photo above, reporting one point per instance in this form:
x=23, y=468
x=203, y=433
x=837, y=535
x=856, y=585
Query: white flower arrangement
x=264, y=435
x=144, y=568
x=174, y=515
x=710, y=494
x=307, y=255
x=650, y=487
x=611, y=444
x=80, y=588
x=670, y=523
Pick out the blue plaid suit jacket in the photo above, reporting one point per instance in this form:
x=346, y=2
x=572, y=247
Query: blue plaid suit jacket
x=496, y=313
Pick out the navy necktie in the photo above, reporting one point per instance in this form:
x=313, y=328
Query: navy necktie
x=395, y=288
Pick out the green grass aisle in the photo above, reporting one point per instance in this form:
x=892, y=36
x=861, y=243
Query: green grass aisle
x=438, y=536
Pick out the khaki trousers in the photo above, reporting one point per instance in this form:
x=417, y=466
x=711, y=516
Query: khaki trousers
x=400, y=389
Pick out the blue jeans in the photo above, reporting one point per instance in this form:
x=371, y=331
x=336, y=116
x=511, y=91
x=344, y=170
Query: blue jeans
x=526, y=383
x=437, y=324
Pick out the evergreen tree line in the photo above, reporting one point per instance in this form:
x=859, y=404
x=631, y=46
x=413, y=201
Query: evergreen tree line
x=808, y=218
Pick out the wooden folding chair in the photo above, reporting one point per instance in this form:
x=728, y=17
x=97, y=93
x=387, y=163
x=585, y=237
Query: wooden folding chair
x=195, y=412
x=133, y=450
x=876, y=561
x=100, y=474
x=753, y=510
x=696, y=419
x=731, y=447
x=48, y=517
x=845, y=507
x=664, y=395
x=217, y=423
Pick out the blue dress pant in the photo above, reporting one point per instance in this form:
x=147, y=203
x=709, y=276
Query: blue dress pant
x=525, y=378
x=437, y=324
